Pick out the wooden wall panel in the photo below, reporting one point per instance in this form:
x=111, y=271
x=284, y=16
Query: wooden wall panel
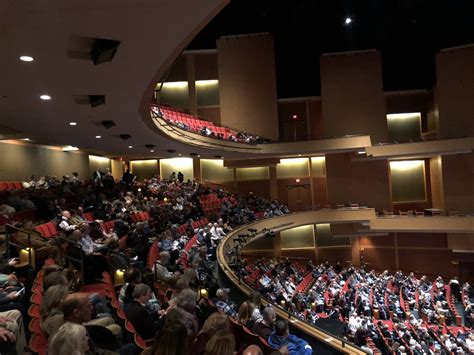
x=300, y=253
x=320, y=192
x=316, y=129
x=422, y=240
x=333, y=255
x=260, y=188
x=365, y=183
x=384, y=241
x=379, y=259
x=212, y=114
x=429, y=262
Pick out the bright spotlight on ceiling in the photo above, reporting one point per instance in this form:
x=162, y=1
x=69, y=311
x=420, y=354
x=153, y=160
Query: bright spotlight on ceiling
x=26, y=58
x=45, y=97
x=348, y=21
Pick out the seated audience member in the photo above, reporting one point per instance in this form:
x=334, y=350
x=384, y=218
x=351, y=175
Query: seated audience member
x=12, y=332
x=253, y=350
x=160, y=268
x=256, y=301
x=76, y=217
x=132, y=277
x=281, y=337
x=265, y=326
x=145, y=323
x=216, y=322
x=245, y=314
x=77, y=308
x=65, y=224
x=221, y=343
x=186, y=303
x=51, y=309
x=170, y=340
x=71, y=339
x=224, y=303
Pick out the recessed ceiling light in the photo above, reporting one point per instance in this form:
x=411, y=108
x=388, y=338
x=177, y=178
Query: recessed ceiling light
x=152, y=151
x=348, y=21
x=73, y=123
x=199, y=156
x=26, y=58
x=25, y=139
x=179, y=154
x=45, y=97
x=98, y=137
x=130, y=146
x=361, y=152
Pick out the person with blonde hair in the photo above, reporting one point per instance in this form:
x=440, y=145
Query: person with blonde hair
x=51, y=309
x=245, y=314
x=71, y=339
x=221, y=343
x=216, y=322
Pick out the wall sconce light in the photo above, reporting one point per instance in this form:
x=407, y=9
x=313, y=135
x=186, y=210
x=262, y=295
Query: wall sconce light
x=118, y=277
x=27, y=257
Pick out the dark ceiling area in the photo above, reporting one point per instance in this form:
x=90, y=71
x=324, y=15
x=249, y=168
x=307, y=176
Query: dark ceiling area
x=407, y=32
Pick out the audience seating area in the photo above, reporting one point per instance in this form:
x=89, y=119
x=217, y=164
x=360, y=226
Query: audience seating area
x=400, y=321
x=374, y=306
x=195, y=124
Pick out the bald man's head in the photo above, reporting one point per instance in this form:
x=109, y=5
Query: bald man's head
x=77, y=308
x=252, y=350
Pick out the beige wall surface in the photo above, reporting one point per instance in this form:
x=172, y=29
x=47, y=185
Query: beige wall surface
x=365, y=183
x=19, y=161
x=455, y=85
x=100, y=163
x=352, y=95
x=247, y=83
x=145, y=169
x=458, y=182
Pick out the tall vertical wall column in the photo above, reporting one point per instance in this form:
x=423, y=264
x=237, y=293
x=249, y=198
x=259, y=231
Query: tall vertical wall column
x=247, y=84
x=352, y=95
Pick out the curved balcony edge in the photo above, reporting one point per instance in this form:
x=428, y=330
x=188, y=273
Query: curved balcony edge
x=285, y=222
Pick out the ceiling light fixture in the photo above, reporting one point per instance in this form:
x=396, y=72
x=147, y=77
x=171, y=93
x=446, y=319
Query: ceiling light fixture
x=361, y=152
x=70, y=148
x=73, y=123
x=25, y=139
x=130, y=146
x=45, y=97
x=98, y=137
x=26, y=58
x=152, y=151
x=348, y=21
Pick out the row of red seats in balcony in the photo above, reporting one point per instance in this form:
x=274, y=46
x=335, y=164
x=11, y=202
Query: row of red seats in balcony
x=15, y=185
x=195, y=123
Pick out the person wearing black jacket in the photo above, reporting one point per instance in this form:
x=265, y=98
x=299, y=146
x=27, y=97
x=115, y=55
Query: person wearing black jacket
x=145, y=323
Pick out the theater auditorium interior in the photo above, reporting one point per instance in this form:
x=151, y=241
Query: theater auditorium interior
x=227, y=177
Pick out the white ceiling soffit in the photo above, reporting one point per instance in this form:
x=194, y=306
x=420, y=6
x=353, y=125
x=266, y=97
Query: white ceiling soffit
x=57, y=34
